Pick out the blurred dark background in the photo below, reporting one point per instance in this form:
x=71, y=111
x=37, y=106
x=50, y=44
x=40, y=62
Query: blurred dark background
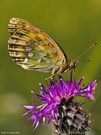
x=75, y=25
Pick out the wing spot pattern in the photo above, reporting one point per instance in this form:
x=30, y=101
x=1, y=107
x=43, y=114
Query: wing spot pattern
x=25, y=60
x=14, y=54
x=39, y=60
x=30, y=54
x=29, y=43
x=42, y=42
x=27, y=48
x=43, y=53
x=47, y=41
x=53, y=50
x=34, y=31
x=35, y=43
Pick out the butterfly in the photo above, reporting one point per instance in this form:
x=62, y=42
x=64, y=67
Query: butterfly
x=33, y=49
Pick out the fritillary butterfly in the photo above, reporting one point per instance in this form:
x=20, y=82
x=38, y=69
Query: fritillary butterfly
x=33, y=49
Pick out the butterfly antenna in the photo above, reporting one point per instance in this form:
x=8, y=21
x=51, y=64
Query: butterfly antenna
x=87, y=49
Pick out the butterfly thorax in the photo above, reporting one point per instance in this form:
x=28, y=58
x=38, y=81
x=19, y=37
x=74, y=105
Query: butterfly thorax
x=65, y=67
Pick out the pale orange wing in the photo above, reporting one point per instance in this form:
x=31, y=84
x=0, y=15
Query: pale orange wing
x=31, y=48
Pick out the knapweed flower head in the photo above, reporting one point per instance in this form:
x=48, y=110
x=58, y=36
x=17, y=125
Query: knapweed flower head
x=58, y=106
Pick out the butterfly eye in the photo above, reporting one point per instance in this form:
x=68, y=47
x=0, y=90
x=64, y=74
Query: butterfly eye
x=76, y=63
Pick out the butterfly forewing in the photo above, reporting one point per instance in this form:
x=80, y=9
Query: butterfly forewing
x=32, y=48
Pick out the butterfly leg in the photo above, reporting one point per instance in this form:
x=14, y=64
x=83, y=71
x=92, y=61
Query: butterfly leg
x=74, y=74
x=70, y=74
x=54, y=73
x=50, y=77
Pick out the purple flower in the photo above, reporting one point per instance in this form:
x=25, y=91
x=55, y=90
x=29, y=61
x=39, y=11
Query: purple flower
x=59, y=96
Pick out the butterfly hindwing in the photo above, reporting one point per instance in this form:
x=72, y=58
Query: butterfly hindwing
x=32, y=48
